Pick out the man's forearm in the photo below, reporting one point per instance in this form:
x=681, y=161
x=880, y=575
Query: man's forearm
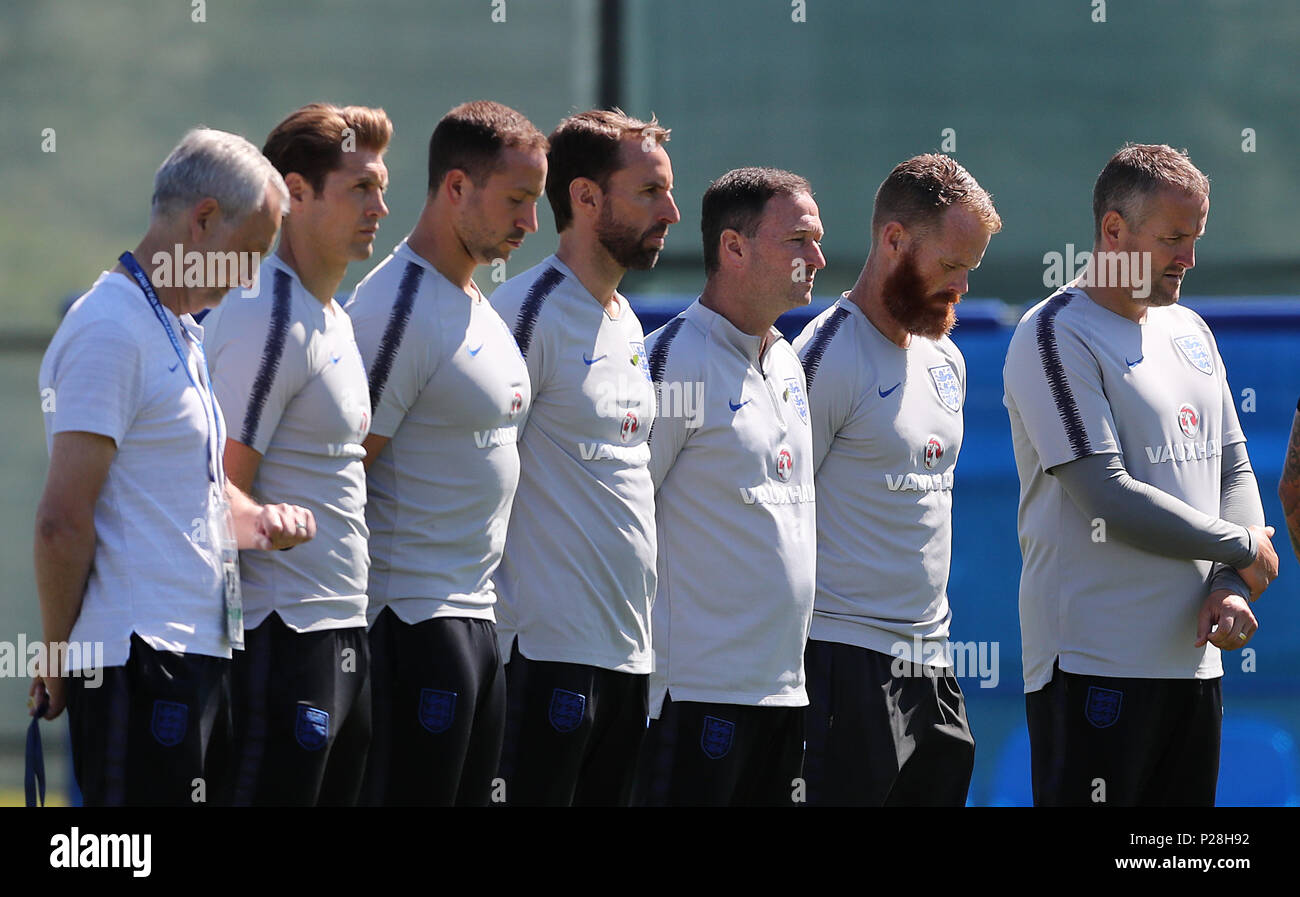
x=1238, y=503
x=64, y=551
x=1147, y=518
x=243, y=513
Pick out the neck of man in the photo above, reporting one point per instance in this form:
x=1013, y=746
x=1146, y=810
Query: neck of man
x=730, y=302
x=1120, y=301
x=434, y=240
x=1116, y=299
x=175, y=299
x=320, y=277
x=868, y=294
x=592, y=263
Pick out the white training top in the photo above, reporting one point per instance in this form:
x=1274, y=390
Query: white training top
x=290, y=377
x=449, y=388
x=886, y=432
x=578, y=574
x=111, y=370
x=736, y=514
x=1082, y=380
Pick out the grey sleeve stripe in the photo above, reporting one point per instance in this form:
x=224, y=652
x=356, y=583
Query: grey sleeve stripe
x=1050, y=355
x=271, y=354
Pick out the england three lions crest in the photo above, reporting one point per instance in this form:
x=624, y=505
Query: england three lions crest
x=1194, y=348
x=794, y=397
x=1103, y=706
x=947, y=385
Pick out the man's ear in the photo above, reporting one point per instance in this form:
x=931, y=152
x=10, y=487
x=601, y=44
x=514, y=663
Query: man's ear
x=203, y=219
x=299, y=189
x=585, y=194
x=456, y=186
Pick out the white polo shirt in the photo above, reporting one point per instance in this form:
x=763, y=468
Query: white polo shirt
x=736, y=517
x=290, y=377
x=111, y=370
x=449, y=389
x=578, y=573
x=1082, y=380
x=887, y=429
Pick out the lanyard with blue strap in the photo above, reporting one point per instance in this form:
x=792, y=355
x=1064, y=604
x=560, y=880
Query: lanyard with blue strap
x=215, y=472
x=223, y=530
x=34, y=776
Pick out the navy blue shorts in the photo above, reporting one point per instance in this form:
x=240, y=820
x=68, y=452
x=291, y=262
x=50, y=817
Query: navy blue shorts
x=877, y=739
x=1103, y=741
x=439, y=695
x=725, y=755
x=154, y=732
x=577, y=732
x=302, y=716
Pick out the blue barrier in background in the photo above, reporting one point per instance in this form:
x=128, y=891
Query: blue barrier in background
x=1259, y=339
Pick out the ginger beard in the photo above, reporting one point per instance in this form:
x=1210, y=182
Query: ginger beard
x=624, y=245
x=931, y=315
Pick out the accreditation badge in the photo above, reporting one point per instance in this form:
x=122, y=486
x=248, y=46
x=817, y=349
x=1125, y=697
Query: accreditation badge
x=224, y=534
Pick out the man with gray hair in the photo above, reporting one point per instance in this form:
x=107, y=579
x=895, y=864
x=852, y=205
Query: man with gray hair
x=886, y=386
x=1140, y=520
x=137, y=530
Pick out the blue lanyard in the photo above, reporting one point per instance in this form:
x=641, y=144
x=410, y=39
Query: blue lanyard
x=215, y=472
x=34, y=774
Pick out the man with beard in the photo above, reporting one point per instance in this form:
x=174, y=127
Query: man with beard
x=578, y=573
x=886, y=718
x=1140, y=520
x=448, y=391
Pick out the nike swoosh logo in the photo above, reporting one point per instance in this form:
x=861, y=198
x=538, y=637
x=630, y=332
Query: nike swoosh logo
x=474, y=351
x=1131, y=363
x=174, y=367
x=336, y=358
x=884, y=393
x=735, y=407
x=591, y=361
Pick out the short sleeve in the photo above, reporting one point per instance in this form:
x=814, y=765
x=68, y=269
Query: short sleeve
x=832, y=392
x=97, y=382
x=258, y=364
x=400, y=359
x=669, y=434
x=1056, y=384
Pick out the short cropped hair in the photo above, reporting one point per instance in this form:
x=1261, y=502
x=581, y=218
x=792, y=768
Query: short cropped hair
x=310, y=141
x=471, y=137
x=1137, y=172
x=587, y=145
x=215, y=164
x=920, y=190
x=736, y=201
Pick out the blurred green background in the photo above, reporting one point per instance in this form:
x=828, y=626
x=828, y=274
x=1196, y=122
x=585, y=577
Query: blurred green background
x=1036, y=95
